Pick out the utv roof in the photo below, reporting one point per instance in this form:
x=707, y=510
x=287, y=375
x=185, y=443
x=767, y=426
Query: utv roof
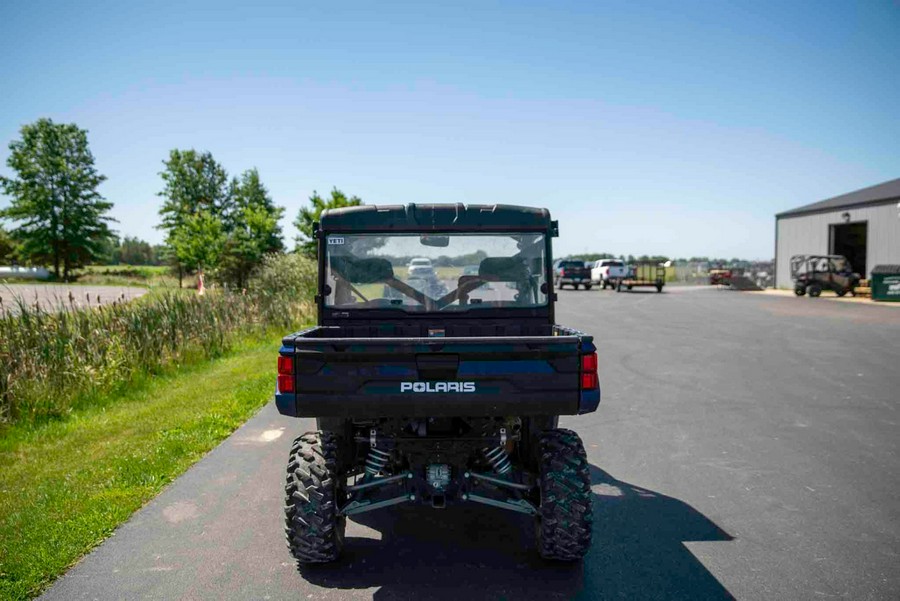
x=435, y=217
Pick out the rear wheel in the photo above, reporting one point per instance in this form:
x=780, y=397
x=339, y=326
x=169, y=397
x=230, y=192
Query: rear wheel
x=314, y=530
x=566, y=517
x=840, y=292
x=814, y=290
x=799, y=290
x=587, y=286
x=659, y=288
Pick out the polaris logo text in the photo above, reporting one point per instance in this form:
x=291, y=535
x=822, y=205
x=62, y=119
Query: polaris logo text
x=437, y=386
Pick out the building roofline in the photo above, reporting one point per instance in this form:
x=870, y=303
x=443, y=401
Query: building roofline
x=831, y=209
x=885, y=192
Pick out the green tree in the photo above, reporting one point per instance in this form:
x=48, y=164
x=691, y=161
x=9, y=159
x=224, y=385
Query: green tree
x=109, y=252
x=194, y=183
x=199, y=241
x=133, y=251
x=309, y=215
x=7, y=247
x=62, y=218
x=254, y=230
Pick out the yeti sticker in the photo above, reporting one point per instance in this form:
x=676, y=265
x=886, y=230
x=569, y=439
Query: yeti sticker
x=437, y=386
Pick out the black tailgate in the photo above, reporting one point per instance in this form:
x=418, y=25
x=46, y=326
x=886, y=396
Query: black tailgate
x=423, y=377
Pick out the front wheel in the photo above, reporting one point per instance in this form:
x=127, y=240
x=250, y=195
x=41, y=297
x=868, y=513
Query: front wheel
x=841, y=292
x=314, y=530
x=565, y=521
x=800, y=290
x=587, y=286
x=659, y=288
x=814, y=291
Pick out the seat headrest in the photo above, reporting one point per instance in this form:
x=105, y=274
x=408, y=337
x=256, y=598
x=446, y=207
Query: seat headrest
x=362, y=271
x=503, y=269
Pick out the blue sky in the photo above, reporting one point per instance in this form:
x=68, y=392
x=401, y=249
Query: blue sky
x=675, y=128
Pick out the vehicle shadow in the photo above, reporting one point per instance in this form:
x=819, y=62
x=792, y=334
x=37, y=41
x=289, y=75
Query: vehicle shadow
x=483, y=553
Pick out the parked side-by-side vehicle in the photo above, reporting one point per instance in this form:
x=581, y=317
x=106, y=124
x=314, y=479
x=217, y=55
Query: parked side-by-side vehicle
x=814, y=273
x=439, y=395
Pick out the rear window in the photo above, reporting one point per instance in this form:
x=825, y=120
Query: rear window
x=614, y=263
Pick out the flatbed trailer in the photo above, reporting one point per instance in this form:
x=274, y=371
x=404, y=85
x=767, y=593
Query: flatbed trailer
x=646, y=274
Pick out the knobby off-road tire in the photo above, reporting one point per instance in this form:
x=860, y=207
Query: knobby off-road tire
x=315, y=531
x=566, y=518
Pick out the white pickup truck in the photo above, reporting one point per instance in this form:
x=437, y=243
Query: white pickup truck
x=607, y=272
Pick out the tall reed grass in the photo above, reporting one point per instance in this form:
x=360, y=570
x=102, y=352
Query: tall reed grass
x=51, y=361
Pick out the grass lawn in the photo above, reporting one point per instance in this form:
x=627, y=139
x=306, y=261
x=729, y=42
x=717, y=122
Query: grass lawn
x=131, y=275
x=66, y=484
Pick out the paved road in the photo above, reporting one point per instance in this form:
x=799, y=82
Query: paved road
x=53, y=296
x=747, y=445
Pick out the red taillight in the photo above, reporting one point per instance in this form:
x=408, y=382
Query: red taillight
x=589, y=379
x=285, y=374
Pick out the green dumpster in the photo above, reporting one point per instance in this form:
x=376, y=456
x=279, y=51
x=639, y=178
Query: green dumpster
x=886, y=283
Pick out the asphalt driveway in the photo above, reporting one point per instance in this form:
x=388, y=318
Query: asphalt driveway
x=747, y=445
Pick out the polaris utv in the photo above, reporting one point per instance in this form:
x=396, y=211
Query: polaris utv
x=436, y=395
x=814, y=273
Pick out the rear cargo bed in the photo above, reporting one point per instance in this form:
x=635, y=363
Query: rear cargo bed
x=413, y=370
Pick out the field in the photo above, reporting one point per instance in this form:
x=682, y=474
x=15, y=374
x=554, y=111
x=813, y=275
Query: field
x=132, y=275
x=146, y=276
x=67, y=484
x=52, y=362
x=99, y=406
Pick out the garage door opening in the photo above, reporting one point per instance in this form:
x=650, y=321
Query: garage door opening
x=849, y=239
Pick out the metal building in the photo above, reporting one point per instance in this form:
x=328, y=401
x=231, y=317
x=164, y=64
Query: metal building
x=864, y=226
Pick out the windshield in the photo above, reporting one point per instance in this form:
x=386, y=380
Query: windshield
x=452, y=272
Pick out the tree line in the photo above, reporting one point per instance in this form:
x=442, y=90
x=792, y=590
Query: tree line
x=213, y=223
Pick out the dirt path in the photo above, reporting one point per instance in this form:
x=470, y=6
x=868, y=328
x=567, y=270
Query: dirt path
x=54, y=296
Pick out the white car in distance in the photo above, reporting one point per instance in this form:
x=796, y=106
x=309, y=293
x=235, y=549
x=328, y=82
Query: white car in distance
x=608, y=272
x=420, y=267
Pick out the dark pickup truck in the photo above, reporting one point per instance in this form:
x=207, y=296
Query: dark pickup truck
x=436, y=392
x=572, y=272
